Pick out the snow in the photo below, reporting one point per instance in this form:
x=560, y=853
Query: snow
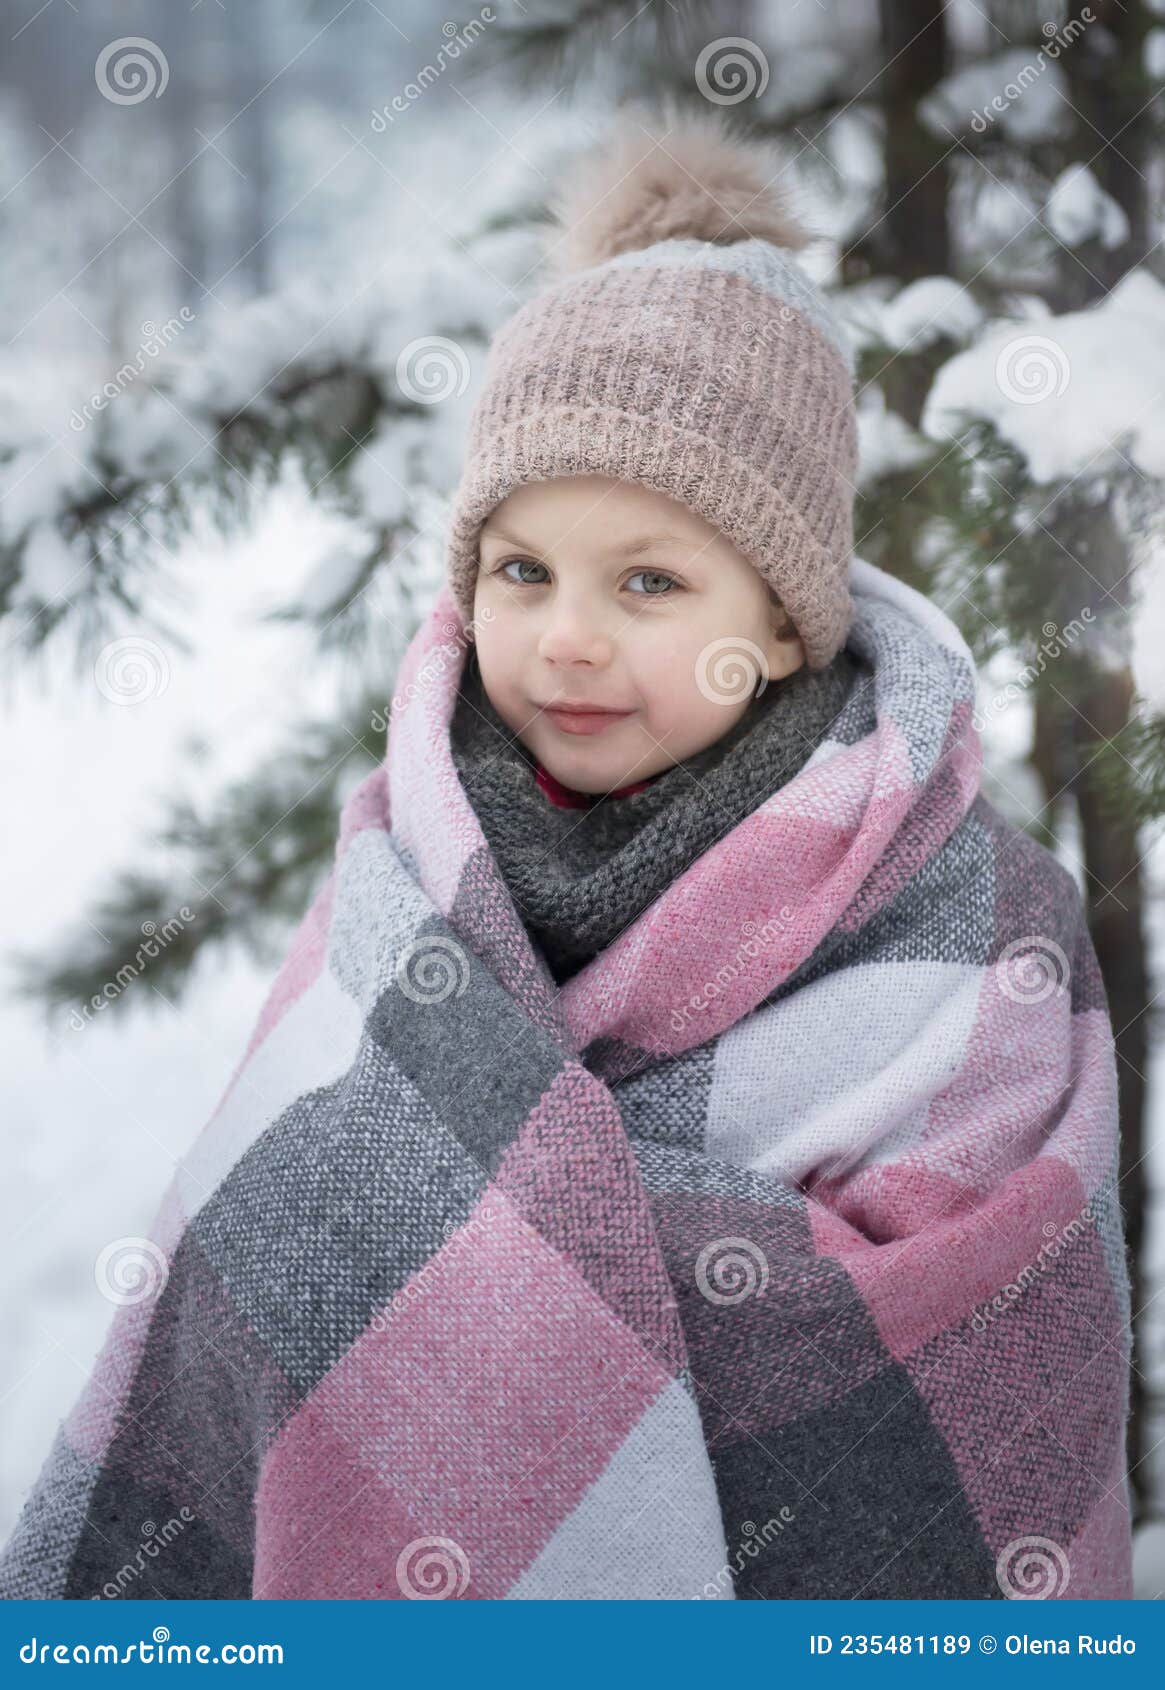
x=1028, y=85
x=245, y=356
x=1079, y=210
x=50, y=567
x=1024, y=308
x=163, y=424
x=859, y=309
x=927, y=309
x=156, y=434
x=331, y=581
x=886, y=441
x=36, y=395
x=1155, y=55
x=383, y=471
x=1001, y=214
x=1068, y=389
x=1149, y=1563
x=797, y=81
x=88, y=1159
x=38, y=481
x=852, y=143
x=254, y=347
x=876, y=313
x=1140, y=292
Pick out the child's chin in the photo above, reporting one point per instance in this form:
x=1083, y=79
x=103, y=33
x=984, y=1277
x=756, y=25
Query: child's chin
x=595, y=774
x=580, y=773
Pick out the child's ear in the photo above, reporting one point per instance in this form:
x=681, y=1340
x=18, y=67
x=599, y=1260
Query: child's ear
x=782, y=624
x=789, y=648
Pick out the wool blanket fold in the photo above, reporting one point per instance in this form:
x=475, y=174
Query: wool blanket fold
x=777, y=1253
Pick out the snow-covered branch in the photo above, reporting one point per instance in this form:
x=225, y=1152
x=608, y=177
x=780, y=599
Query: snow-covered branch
x=368, y=397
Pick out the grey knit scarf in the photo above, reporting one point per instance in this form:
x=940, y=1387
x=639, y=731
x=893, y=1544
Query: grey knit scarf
x=579, y=876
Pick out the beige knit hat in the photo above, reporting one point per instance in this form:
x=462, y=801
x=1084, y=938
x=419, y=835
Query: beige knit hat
x=680, y=345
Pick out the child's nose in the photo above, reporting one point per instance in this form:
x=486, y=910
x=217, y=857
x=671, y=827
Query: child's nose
x=575, y=633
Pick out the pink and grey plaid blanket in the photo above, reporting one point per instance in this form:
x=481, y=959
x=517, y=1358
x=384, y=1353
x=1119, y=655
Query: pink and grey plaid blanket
x=776, y=1254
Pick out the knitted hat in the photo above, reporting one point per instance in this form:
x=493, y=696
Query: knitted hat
x=681, y=346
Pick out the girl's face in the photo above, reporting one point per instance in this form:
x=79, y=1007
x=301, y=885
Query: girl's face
x=603, y=593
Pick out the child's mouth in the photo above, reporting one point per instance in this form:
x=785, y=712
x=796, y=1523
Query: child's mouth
x=585, y=721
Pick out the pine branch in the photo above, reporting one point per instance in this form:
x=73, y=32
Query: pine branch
x=1129, y=772
x=88, y=520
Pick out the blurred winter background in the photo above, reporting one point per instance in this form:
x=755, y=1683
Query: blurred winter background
x=251, y=254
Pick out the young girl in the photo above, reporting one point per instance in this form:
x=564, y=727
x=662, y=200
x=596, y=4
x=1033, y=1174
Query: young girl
x=625, y=647
x=677, y=1157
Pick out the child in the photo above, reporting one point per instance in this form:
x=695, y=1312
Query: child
x=713, y=704
x=678, y=1155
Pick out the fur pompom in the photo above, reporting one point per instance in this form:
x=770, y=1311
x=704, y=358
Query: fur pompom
x=687, y=178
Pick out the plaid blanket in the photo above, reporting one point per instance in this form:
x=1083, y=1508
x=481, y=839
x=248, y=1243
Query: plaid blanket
x=776, y=1254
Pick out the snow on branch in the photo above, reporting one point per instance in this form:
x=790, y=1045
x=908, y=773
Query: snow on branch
x=1082, y=393
x=367, y=396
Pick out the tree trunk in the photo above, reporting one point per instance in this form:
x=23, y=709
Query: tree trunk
x=912, y=238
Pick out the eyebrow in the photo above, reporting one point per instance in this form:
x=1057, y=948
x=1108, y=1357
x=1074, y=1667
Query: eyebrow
x=626, y=548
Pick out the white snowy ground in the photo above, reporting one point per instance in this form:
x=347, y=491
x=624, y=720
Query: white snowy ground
x=94, y=1119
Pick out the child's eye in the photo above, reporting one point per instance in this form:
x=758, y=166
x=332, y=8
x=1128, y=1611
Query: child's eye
x=520, y=560
x=659, y=589
x=654, y=575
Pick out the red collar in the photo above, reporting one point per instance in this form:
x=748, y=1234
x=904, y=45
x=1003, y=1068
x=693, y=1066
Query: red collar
x=568, y=799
